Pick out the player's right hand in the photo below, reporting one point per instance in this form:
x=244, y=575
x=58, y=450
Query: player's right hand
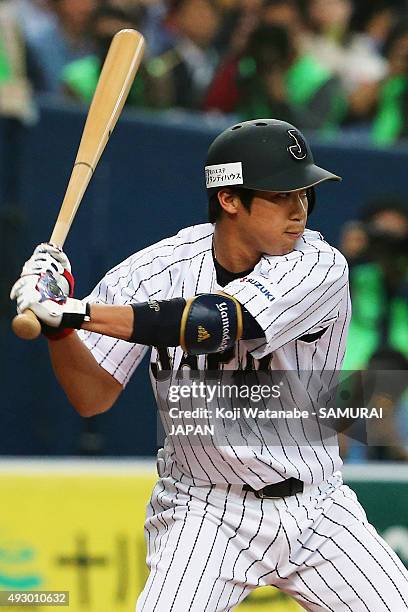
x=48, y=259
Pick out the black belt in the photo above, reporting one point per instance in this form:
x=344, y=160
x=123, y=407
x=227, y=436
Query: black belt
x=279, y=489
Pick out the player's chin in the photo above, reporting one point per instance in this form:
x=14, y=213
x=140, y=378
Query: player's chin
x=287, y=251
x=286, y=247
x=284, y=250
x=289, y=242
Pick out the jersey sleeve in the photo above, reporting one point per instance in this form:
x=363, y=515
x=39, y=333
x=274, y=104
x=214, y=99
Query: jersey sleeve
x=152, y=273
x=127, y=283
x=118, y=357
x=290, y=297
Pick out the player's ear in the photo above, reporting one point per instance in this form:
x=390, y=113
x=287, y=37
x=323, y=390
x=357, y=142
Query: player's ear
x=229, y=201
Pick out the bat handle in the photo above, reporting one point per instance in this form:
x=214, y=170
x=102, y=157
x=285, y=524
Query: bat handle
x=26, y=325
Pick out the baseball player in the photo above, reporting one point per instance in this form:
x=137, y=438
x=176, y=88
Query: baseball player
x=254, y=291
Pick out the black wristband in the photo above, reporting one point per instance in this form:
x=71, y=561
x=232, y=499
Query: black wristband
x=74, y=320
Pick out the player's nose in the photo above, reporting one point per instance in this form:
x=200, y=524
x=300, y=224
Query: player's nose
x=298, y=206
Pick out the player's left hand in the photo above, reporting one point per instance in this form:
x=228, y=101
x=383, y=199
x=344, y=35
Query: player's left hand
x=42, y=294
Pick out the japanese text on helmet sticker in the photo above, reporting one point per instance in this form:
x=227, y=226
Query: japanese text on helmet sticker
x=224, y=174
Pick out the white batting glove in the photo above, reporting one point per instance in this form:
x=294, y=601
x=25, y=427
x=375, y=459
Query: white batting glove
x=51, y=258
x=42, y=294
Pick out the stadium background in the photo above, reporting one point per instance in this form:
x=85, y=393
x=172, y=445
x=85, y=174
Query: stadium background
x=77, y=524
x=125, y=209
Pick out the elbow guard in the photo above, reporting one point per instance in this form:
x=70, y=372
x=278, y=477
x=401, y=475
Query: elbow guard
x=210, y=323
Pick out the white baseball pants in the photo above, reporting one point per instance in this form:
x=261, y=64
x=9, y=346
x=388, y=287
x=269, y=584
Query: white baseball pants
x=208, y=547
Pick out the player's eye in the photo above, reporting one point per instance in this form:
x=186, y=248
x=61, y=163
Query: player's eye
x=283, y=195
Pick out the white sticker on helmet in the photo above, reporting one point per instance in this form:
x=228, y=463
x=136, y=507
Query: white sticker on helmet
x=224, y=174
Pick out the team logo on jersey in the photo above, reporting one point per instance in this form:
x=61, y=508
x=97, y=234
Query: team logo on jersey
x=298, y=150
x=202, y=334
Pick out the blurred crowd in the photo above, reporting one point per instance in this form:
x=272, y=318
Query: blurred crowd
x=321, y=64
x=376, y=247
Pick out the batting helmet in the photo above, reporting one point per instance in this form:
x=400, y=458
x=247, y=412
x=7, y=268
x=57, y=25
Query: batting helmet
x=264, y=155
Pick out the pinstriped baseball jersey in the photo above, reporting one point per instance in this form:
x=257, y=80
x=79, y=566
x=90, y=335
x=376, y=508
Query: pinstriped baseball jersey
x=300, y=300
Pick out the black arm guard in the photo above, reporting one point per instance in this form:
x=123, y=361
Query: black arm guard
x=207, y=323
x=158, y=323
x=211, y=323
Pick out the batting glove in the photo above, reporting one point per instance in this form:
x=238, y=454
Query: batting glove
x=49, y=258
x=42, y=294
x=45, y=285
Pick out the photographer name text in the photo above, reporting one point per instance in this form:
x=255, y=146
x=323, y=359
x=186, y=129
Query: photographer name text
x=248, y=412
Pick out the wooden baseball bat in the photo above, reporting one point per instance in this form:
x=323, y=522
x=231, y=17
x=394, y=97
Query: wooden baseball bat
x=115, y=81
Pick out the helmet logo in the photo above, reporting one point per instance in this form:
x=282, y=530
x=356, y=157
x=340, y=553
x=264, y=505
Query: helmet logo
x=297, y=150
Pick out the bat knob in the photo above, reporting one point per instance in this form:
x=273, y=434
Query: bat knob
x=26, y=326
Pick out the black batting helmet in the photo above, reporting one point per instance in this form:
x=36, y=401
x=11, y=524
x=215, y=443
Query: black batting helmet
x=264, y=155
